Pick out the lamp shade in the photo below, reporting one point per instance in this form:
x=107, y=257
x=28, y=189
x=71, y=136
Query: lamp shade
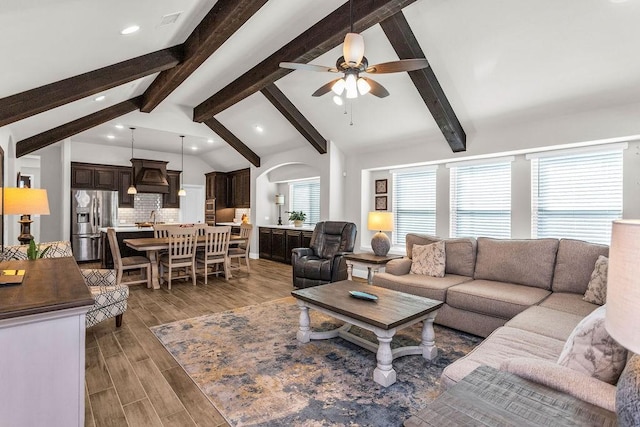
x=380, y=221
x=623, y=285
x=25, y=201
x=279, y=199
x=353, y=49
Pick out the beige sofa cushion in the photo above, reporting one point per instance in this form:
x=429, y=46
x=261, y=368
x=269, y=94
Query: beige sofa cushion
x=418, y=284
x=525, y=262
x=497, y=299
x=574, y=265
x=460, y=252
x=398, y=266
x=546, y=321
x=564, y=379
x=503, y=344
x=569, y=303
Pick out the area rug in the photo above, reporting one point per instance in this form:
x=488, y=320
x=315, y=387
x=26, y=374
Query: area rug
x=249, y=363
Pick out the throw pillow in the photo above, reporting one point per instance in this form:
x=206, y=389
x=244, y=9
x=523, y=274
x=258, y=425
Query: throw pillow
x=597, y=288
x=429, y=259
x=591, y=350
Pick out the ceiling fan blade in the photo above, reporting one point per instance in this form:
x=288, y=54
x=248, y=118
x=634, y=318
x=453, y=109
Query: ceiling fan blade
x=307, y=67
x=325, y=88
x=376, y=88
x=398, y=66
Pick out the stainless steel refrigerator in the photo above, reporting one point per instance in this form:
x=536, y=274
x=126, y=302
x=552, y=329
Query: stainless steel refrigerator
x=91, y=210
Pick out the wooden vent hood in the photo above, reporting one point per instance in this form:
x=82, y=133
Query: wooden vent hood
x=150, y=176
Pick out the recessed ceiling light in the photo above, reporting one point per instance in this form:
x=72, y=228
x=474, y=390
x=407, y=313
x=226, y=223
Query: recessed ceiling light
x=130, y=30
x=100, y=98
x=111, y=136
x=259, y=128
x=210, y=141
x=194, y=148
x=119, y=126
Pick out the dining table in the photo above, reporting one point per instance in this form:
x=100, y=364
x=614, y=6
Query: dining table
x=153, y=245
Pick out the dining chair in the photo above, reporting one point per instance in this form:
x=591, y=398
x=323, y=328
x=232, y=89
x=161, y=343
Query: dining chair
x=215, y=252
x=242, y=249
x=180, y=256
x=121, y=264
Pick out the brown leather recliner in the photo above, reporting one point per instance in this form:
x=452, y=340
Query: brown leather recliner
x=324, y=261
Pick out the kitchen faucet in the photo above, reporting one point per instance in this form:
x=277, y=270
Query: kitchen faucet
x=152, y=216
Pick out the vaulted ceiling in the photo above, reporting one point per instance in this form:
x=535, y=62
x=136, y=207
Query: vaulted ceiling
x=213, y=74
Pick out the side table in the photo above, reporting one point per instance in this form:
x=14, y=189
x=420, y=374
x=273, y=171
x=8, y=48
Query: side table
x=372, y=261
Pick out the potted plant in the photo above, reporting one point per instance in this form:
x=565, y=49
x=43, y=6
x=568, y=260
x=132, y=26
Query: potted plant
x=34, y=252
x=297, y=217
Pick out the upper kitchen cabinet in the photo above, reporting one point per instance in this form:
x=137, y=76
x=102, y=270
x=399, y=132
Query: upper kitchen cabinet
x=93, y=177
x=239, y=188
x=125, y=179
x=171, y=199
x=216, y=188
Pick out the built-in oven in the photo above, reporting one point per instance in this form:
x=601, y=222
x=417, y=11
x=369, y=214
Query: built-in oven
x=210, y=211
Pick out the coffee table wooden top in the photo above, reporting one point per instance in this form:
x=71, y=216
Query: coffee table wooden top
x=391, y=309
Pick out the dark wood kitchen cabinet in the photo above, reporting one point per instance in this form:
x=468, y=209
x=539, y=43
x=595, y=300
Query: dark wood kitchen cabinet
x=216, y=188
x=171, y=199
x=276, y=243
x=125, y=179
x=239, y=188
x=105, y=178
x=82, y=175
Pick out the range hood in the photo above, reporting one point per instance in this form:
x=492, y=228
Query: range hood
x=150, y=176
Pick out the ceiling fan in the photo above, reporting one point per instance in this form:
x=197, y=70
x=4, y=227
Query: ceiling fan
x=352, y=64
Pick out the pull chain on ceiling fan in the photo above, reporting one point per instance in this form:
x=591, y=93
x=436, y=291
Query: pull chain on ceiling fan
x=352, y=64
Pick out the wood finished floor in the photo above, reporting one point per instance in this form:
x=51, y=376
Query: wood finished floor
x=131, y=380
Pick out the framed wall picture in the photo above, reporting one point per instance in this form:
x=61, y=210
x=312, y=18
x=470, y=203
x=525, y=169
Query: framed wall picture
x=381, y=203
x=381, y=186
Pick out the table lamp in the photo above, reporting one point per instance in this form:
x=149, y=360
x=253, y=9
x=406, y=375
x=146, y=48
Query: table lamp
x=279, y=203
x=25, y=202
x=380, y=221
x=623, y=314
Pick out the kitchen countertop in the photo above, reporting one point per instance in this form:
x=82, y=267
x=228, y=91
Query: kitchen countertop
x=289, y=227
x=233, y=224
x=126, y=228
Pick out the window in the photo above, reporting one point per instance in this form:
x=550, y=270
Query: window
x=481, y=200
x=305, y=196
x=576, y=195
x=414, y=203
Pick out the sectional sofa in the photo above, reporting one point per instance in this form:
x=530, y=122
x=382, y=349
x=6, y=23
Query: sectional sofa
x=525, y=296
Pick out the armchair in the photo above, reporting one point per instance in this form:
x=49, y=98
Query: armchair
x=324, y=261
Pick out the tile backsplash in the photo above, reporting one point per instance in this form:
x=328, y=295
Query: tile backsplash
x=143, y=204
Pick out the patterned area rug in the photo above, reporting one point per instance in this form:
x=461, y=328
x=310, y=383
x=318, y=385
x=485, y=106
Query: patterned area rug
x=251, y=366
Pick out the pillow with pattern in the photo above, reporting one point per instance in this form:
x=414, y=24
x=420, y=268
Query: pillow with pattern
x=591, y=350
x=429, y=259
x=597, y=288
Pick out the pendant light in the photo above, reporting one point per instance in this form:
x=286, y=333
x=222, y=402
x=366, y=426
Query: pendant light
x=132, y=188
x=182, y=192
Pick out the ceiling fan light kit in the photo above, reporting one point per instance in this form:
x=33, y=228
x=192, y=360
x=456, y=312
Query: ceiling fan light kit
x=353, y=49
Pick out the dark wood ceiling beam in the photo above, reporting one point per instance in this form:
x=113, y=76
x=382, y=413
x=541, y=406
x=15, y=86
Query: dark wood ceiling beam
x=406, y=46
x=26, y=104
x=320, y=38
x=295, y=117
x=224, y=19
x=233, y=141
x=67, y=130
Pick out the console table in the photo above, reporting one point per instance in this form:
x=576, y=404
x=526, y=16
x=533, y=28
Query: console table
x=42, y=342
x=372, y=261
x=489, y=397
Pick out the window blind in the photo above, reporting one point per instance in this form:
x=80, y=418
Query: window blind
x=414, y=203
x=480, y=198
x=305, y=196
x=576, y=195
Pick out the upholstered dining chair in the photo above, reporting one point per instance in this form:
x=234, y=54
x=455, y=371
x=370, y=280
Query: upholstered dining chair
x=242, y=249
x=215, y=252
x=128, y=263
x=324, y=262
x=180, y=255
